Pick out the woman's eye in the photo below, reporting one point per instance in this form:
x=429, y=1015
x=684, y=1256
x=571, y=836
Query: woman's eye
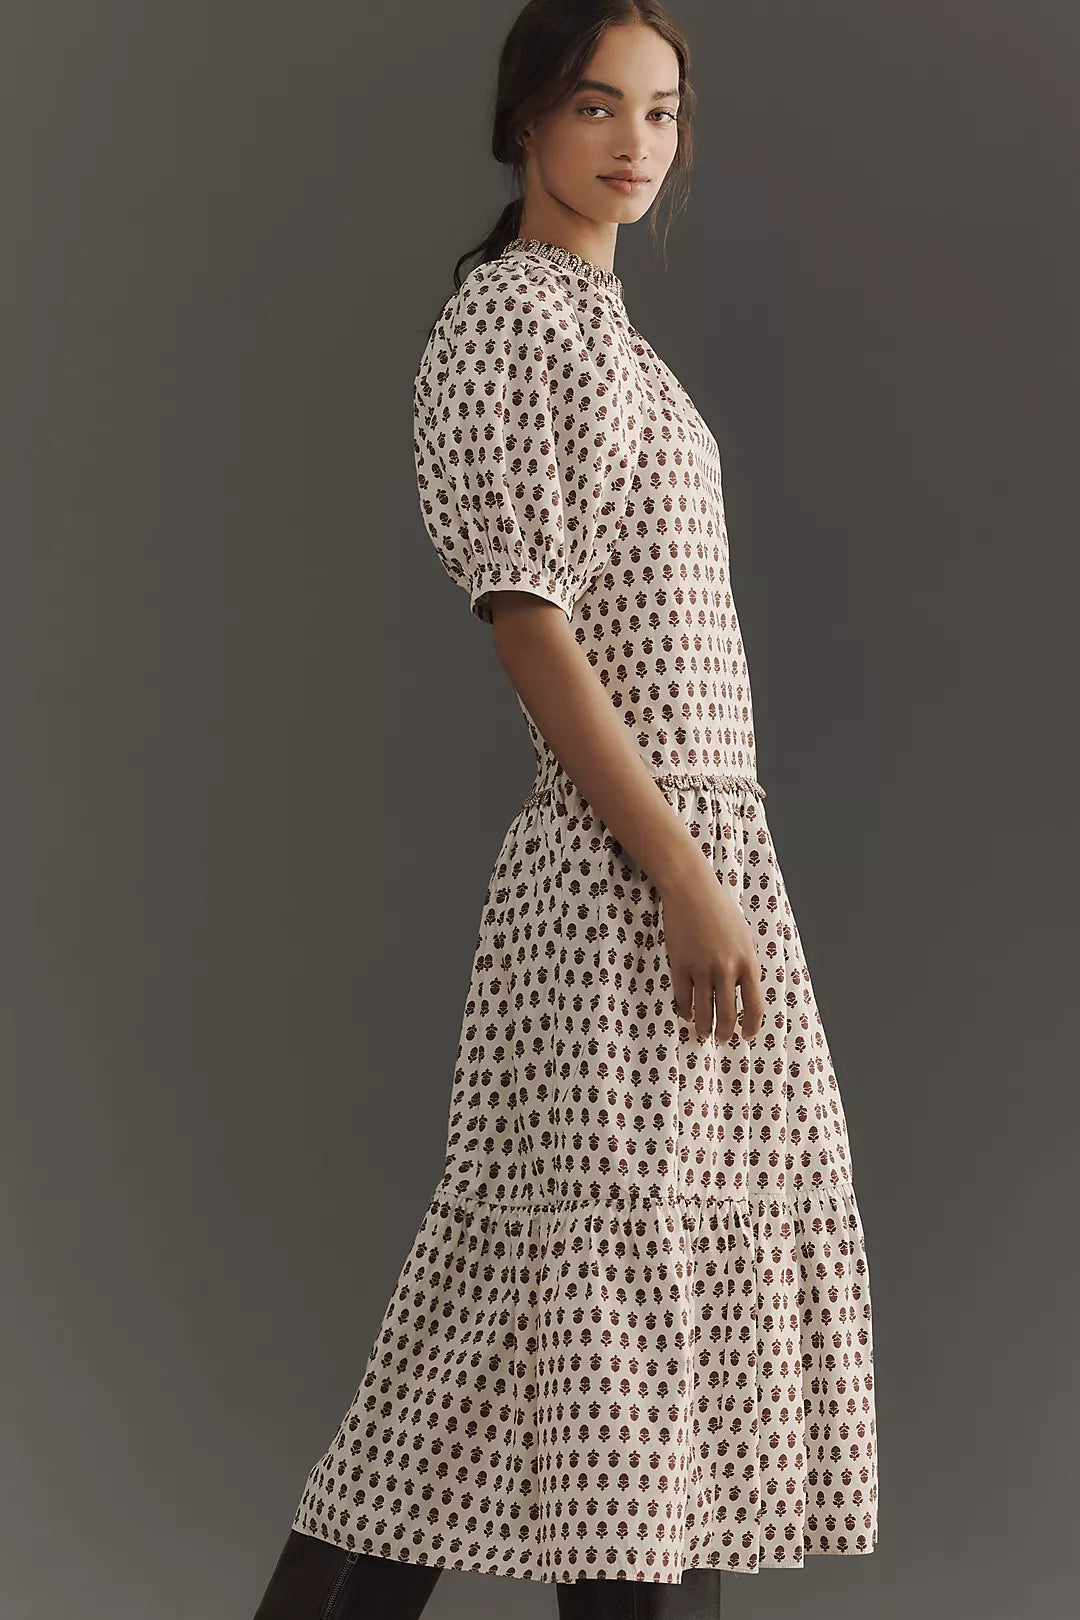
x=665, y=113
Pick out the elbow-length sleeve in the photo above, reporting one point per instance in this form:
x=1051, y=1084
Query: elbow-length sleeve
x=521, y=462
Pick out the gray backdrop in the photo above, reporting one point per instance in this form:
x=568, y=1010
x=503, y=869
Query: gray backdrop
x=258, y=757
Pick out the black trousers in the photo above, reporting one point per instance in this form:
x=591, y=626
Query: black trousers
x=313, y=1580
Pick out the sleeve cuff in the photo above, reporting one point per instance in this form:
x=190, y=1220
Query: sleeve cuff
x=505, y=577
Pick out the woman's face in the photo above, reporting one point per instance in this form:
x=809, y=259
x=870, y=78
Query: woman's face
x=622, y=117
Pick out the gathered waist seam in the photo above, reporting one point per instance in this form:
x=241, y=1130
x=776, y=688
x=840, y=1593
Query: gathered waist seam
x=726, y=781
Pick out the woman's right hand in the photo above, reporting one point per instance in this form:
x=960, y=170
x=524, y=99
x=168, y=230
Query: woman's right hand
x=711, y=951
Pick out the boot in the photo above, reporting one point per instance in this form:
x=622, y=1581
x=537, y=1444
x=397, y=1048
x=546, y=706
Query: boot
x=695, y=1597
x=314, y=1580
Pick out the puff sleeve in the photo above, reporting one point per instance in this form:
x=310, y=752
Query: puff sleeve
x=521, y=464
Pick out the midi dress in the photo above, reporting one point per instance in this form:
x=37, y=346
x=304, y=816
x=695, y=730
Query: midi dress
x=632, y=1334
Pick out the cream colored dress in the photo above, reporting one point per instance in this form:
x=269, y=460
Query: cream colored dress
x=633, y=1332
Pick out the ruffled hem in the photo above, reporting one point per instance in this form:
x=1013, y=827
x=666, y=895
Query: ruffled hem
x=624, y=1389
x=420, y=1549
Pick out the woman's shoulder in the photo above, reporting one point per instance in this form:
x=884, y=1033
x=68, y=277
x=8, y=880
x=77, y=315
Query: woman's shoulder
x=506, y=299
x=531, y=284
x=511, y=285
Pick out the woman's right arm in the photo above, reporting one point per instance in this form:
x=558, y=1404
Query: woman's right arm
x=525, y=442
x=709, y=943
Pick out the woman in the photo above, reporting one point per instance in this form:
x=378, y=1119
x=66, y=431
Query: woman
x=630, y=1347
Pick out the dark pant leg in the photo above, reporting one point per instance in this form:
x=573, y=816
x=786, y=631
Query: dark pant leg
x=594, y=1600
x=695, y=1597
x=313, y=1580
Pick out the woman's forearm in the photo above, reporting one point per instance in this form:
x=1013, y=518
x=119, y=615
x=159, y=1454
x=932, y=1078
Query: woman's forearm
x=566, y=698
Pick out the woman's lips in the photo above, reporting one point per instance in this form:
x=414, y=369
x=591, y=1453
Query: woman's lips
x=627, y=187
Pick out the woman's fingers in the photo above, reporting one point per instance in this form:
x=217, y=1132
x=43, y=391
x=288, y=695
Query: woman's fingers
x=724, y=990
x=711, y=1003
x=753, y=1001
x=703, y=1006
x=683, y=986
x=714, y=1004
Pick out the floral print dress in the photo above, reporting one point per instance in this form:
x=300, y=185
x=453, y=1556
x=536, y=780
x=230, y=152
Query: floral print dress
x=632, y=1334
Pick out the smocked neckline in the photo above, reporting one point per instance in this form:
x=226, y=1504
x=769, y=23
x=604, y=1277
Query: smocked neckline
x=567, y=259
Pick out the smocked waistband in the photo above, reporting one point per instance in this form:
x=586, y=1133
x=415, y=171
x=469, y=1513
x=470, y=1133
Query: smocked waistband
x=721, y=781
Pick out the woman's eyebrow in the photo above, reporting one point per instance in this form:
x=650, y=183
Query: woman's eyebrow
x=611, y=90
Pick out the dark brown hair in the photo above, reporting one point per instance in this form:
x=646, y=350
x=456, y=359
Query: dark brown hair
x=542, y=59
